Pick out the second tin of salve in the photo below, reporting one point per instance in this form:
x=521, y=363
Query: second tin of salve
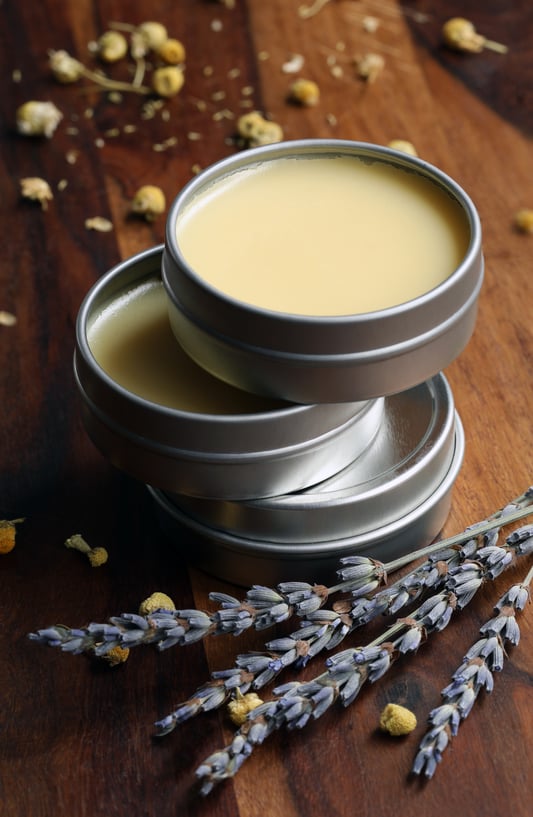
x=166, y=421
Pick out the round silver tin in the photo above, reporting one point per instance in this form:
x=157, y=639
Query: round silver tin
x=311, y=359
x=218, y=456
x=393, y=499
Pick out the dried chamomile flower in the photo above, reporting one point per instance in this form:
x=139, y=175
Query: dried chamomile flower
x=241, y=705
x=38, y=118
x=172, y=51
x=404, y=146
x=257, y=130
x=66, y=69
x=149, y=201
x=461, y=35
x=99, y=224
x=369, y=66
x=397, y=720
x=116, y=656
x=157, y=601
x=304, y=92
x=7, y=318
x=36, y=189
x=8, y=534
x=523, y=220
x=112, y=46
x=97, y=556
x=148, y=36
x=168, y=81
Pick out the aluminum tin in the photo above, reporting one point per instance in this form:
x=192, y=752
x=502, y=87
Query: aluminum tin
x=217, y=456
x=407, y=460
x=322, y=359
x=244, y=561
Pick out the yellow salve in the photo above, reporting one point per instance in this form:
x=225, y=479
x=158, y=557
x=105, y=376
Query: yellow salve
x=323, y=236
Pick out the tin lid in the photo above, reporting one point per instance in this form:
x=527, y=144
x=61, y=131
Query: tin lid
x=257, y=448
x=246, y=561
x=313, y=358
x=405, y=463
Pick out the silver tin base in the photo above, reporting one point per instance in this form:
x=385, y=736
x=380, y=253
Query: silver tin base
x=415, y=521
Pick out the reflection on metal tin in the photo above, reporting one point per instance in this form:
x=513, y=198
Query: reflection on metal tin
x=244, y=561
x=408, y=459
x=326, y=355
x=159, y=417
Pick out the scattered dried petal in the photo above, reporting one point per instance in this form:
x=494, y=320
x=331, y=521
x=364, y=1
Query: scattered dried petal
x=293, y=65
x=99, y=223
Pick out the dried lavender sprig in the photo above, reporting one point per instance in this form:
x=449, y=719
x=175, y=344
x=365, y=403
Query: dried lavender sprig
x=475, y=673
x=263, y=606
x=297, y=703
x=325, y=629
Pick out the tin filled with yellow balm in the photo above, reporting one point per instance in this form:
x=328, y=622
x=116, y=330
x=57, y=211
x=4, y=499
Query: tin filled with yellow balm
x=273, y=373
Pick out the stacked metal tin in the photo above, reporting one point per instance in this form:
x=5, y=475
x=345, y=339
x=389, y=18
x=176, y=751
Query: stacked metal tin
x=361, y=456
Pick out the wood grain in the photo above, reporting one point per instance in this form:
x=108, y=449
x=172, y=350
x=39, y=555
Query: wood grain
x=77, y=738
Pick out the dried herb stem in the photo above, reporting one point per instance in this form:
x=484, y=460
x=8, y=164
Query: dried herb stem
x=298, y=703
x=461, y=573
x=474, y=674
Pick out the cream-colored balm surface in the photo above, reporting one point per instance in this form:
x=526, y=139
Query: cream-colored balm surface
x=323, y=236
x=132, y=341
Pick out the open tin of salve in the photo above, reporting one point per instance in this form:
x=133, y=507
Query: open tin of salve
x=323, y=270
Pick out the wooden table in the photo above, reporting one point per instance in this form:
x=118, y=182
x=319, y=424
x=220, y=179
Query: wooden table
x=77, y=736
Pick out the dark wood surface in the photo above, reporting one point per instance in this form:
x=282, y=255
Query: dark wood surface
x=76, y=738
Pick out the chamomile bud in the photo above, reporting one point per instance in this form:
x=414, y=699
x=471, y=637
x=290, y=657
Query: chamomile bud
x=148, y=36
x=305, y=92
x=397, y=720
x=112, y=46
x=369, y=66
x=149, y=201
x=168, y=81
x=172, y=52
x=258, y=131
x=66, y=69
x=38, y=118
x=36, y=189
